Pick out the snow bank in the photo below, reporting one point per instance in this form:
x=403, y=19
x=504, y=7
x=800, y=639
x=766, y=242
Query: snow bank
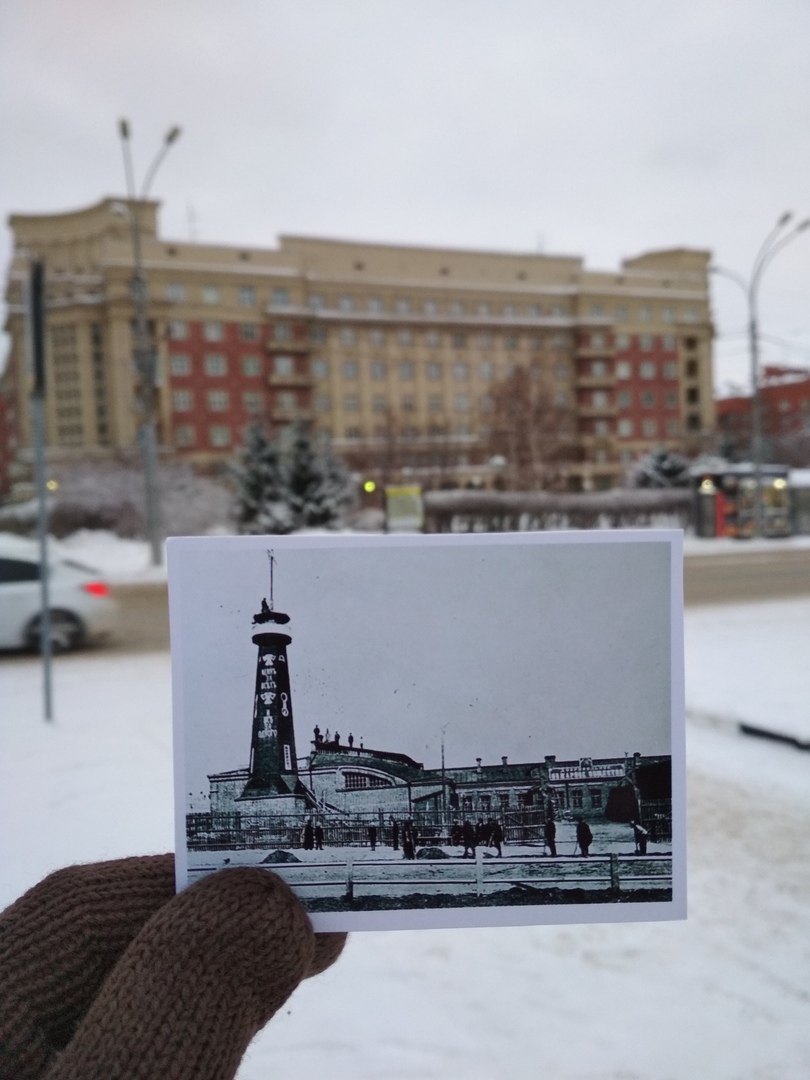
x=722, y=996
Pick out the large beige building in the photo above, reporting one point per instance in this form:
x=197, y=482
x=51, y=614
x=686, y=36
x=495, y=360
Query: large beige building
x=447, y=364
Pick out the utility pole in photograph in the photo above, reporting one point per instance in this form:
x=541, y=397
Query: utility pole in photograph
x=144, y=352
x=774, y=242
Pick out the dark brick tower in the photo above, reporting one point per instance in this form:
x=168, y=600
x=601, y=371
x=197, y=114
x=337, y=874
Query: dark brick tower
x=273, y=769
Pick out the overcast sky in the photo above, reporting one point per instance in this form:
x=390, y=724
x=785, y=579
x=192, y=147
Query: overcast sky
x=528, y=647
x=596, y=128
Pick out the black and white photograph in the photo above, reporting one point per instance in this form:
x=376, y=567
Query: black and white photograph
x=433, y=731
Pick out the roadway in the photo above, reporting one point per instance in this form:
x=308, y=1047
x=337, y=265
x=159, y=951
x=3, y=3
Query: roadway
x=708, y=579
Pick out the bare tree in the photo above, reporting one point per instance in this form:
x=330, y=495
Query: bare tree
x=531, y=429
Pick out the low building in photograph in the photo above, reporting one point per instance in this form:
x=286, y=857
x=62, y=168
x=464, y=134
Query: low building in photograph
x=426, y=364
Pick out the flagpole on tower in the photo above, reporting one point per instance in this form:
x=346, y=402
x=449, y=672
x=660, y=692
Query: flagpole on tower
x=272, y=559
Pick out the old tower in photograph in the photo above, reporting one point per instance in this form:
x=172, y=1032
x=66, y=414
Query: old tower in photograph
x=273, y=770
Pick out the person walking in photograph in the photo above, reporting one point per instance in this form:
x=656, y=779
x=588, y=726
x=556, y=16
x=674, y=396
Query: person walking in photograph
x=550, y=836
x=395, y=834
x=641, y=836
x=309, y=836
x=496, y=837
x=319, y=837
x=372, y=837
x=468, y=836
x=584, y=836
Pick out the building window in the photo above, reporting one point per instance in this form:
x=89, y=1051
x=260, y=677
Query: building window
x=691, y=315
x=321, y=403
x=217, y=400
x=220, y=435
x=249, y=331
x=598, y=369
x=346, y=303
x=535, y=311
x=283, y=365
x=459, y=341
x=247, y=296
x=487, y=404
x=286, y=401
x=597, y=341
x=691, y=369
x=668, y=314
x=210, y=294
x=403, y=307
x=316, y=302
x=320, y=368
x=625, y=428
x=280, y=297
x=378, y=370
x=576, y=799
x=646, y=369
x=645, y=314
x=184, y=435
x=178, y=330
x=483, y=308
x=560, y=341
x=486, y=370
x=176, y=292
x=466, y=803
x=430, y=307
x=350, y=369
x=318, y=334
x=601, y=427
x=649, y=428
x=693, y=395
x=408, y=404
x=377, y=338
x=433, y=339
x=348, y=336
x=669, y=342
x=251, y=366
x=215, y=364
x=182, y=401
x=282, y=332
x=379, y=404
x=461, y=403
x=461, y=371
x=648, y=400
x=670, y=370
x=622, y=341
x=179, y=365
x=457, y=307
x=375, y=304
x=252, y=401
x=485, y=341
x=351, y=403
x=621, y=314
x=435, y=403
x=511, y=341
x=600, y=399
x=671, y=399
x=433, y=370
x=693, y=422
x=645, y=342
x=596, y=797
x=404, y=338
x=673, y=427
x=624, y=399
x=353, y=433
x=406, y=370
x=561, y=372
x=212, y=331
x=596, y=312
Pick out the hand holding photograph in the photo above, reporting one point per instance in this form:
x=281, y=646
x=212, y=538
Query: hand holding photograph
x=434, y=731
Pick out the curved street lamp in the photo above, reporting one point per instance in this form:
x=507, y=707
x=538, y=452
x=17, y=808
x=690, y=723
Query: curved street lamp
x=144, y=352
x=774, y=242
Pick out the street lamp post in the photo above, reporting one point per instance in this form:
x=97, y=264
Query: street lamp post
x=144, y=351
x=776, y=239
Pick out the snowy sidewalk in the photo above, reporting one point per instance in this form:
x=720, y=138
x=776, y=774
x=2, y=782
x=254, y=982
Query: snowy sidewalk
x=723, y=996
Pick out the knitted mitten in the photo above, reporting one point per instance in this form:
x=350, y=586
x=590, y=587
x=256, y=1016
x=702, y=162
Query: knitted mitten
x=106, y=975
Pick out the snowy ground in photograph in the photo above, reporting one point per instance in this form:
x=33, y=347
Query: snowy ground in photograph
x=723, y=995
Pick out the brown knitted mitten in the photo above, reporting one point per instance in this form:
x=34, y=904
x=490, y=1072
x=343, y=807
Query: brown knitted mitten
x=106, y=975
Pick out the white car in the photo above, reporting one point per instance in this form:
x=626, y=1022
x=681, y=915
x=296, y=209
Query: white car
x=80, y=604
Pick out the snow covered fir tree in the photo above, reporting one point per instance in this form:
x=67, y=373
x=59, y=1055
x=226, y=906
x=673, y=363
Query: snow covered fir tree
x=282, y=488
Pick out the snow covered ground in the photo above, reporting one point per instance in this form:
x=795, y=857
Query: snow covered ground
x=722, y=996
